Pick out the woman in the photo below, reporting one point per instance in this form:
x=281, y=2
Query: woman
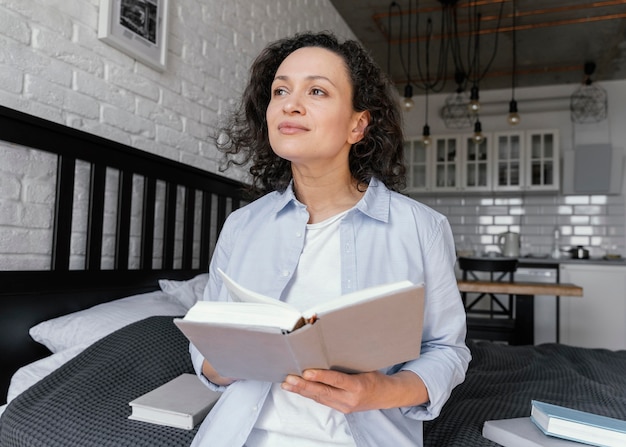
x=322, y=134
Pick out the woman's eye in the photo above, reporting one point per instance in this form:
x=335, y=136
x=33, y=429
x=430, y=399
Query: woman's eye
x=279, y=91
x=317, y=92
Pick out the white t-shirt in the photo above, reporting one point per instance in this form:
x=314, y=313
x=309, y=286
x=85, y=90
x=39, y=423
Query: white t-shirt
x=288, y=419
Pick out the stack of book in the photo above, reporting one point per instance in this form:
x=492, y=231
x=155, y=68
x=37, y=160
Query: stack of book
x=556, y=426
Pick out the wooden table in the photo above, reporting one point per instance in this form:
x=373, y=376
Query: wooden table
x=524, y=300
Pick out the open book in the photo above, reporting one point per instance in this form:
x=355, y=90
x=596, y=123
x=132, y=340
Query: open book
x=257, y=337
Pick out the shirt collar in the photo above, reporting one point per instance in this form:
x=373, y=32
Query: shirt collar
x=375, y=203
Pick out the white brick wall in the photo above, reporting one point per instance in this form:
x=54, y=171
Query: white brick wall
x=52, y=65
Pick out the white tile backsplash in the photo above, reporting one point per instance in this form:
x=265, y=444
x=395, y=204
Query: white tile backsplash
x=596, y=222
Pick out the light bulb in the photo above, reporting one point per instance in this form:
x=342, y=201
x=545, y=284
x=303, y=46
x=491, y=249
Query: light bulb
x=474, y=104
x=513, y=117
x=407, y=101
x=426, y=140
x=478, y=133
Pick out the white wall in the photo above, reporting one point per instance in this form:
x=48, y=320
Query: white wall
x=53, y=66
x=597, y=222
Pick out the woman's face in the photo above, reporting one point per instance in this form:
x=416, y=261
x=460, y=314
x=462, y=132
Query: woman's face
x=310, y=117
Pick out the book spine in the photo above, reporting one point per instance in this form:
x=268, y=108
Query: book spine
x=307, y=348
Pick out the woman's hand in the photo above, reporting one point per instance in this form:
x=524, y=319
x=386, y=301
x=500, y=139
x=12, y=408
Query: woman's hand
x=349, y=393
x=210, y=373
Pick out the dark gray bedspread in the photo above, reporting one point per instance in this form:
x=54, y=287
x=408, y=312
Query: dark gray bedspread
x=502, y=380
x=85, y=402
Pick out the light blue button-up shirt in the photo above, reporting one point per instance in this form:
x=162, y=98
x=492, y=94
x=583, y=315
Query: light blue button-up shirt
x=386, y=237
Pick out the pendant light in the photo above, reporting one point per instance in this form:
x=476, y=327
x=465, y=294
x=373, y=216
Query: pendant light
x=513, y=117
x=455, y=113
x=407, y=100
x=478, y=136
x=589, y=103
x=426, y=139
x=474, y=103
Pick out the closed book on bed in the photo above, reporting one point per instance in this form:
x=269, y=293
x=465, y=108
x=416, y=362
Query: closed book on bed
x=363, y=331
x=588, y=428
x=521, y=432
x=182, y=403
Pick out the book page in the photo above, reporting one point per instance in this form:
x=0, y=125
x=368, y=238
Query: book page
x=241, y=294
x=359, y=296
x=244, y=315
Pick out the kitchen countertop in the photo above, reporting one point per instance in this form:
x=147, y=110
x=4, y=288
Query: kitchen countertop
x=548, y=262
x=555, y=262
x=520, y=288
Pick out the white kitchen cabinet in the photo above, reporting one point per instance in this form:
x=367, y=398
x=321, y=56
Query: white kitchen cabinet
x=542, y=160
x=508, y=160
x=446, y=163
x=418, y=159
x=526, y=160
x=502, y=161
x=450, y=163
x=476, y=162
x=598, y=319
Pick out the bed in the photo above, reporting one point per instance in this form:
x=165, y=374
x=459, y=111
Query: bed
x=79, y=340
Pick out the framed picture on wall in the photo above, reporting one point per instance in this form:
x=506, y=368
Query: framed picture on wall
x=136, y=27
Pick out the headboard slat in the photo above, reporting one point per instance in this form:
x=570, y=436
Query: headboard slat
x=95, y=222
x=124, y=204
x=169, y=225
x=188, y=227
x=205, y=228
x=61, y=239
x=147, y=224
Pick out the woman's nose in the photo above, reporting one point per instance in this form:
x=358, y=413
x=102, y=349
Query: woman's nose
x=293, y=104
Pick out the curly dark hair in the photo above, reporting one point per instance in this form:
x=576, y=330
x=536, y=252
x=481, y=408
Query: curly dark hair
x=244, y=138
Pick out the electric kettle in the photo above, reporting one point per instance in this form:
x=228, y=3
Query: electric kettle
x=509, y=244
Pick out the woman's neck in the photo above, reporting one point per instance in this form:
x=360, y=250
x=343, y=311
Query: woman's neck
x=327, y=195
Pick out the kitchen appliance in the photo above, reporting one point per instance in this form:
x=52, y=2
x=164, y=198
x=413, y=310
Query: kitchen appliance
x=578, y=252
x=509, y=244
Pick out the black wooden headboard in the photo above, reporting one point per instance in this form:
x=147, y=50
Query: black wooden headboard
x=188, y=206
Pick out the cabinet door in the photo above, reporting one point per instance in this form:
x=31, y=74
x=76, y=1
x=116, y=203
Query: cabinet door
x=417, y=161
x=446, y=163
x=542, y=160
x=598, y=318
x=477, y=164
x=508, y=161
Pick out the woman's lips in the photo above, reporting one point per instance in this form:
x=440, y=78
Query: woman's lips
x=289, y=128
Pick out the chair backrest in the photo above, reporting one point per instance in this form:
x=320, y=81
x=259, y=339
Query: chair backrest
x=488, y=264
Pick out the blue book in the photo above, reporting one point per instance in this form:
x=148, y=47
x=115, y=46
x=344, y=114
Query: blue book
x=580, y=426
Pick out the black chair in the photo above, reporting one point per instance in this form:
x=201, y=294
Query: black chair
x=489, y=316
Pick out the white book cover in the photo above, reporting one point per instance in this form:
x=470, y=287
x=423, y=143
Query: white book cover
x=576, y=425
x=361, y=331
x=521, y=432
x=182, y=403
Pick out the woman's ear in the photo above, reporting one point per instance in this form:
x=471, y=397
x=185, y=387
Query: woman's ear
x=358, y=132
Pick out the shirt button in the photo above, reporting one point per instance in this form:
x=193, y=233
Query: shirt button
x=298, y=234
x=255, y=408
x=285, y=273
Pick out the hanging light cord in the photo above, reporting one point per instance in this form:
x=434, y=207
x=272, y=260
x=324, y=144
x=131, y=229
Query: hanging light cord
x=514, y=52
x=474, y=74
x=406, y=70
